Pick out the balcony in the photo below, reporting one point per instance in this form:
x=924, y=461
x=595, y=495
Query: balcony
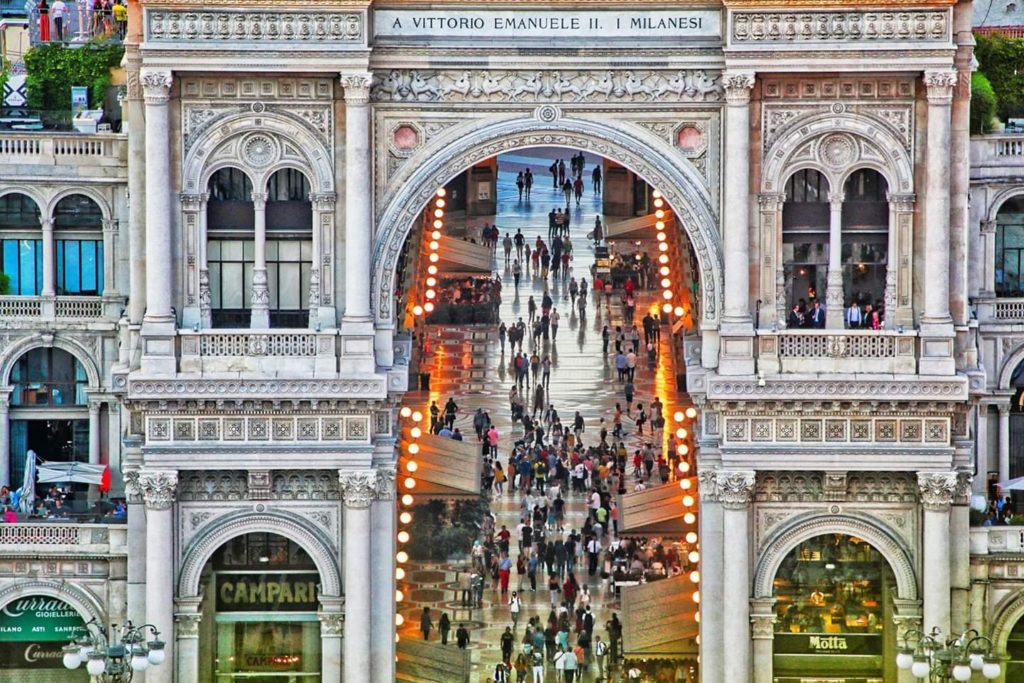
x=61, y=308
x=818, y=352
x=46, y=154
x=63, y=539
x=995, y=157
x=997, y=540
x=240, y=352
x=1004, y=310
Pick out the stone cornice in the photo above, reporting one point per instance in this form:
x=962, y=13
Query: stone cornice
x=795, y=388
x=191, y=389
x=835, y=4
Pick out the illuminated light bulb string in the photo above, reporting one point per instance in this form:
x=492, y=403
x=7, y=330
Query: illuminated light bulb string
x=662, y=215
x=433, y=255
x=407, y=467
x=684, y=436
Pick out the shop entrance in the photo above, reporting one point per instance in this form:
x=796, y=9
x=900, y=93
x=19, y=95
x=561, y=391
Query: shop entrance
x=259, y=625
x=33, y=629
x=834, y=613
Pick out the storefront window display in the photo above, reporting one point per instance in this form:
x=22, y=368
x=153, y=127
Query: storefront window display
x=1015, y=653
x=834, y=613
x=33, y=631
x=260, y=613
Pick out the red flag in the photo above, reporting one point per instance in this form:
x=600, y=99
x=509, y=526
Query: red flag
x=105, y=480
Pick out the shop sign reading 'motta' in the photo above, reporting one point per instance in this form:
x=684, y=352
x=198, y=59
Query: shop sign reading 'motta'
x=284, y=592
x=554, y=27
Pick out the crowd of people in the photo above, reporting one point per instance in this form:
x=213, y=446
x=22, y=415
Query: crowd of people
x=101, y=18
x=813, y=315
x=466, y=300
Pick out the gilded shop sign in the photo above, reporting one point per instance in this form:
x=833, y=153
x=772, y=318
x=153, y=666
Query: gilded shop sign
x=270, y=592
x=510, y=26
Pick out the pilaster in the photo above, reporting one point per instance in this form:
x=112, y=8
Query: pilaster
x=834, y=300
x=260, y=296
x=712, y=544
x=762, y=631
x=734, y=491
x=158, y=489
x=937, y=491
x=358, y=487
x=899, y=271
x=322, y=309
x=382, y=583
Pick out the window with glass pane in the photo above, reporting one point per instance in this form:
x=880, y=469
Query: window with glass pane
x=1010, y=248
x=19, y=212
x=230, y=265
x=77, y=212
x=48, y=377
x=79, y=267
x=289, y=264
x=805, y=236
x=22, y=262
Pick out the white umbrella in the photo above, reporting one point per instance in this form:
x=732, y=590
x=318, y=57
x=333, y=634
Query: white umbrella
x=27, y=492
x=1015, y=484
x=77, y=472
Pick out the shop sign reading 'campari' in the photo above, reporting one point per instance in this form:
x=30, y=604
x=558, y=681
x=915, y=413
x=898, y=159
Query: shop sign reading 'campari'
x=554, y=27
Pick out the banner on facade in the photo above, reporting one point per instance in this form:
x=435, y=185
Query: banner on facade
x=827, y=644
x=270, y=592
x=40, y=618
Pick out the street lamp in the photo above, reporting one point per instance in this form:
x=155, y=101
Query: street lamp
x=115, y=660
x=943, y=661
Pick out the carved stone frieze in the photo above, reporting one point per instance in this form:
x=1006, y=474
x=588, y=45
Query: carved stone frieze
x=213, y=486
x=238, y=389
x=305, y=485
x=547, y=86
x=332, y=625
x=788, y=487
x=881, y=487
x=845, y=87
x=845, y=26
x=156, y=86
x=736, y=388
x=897, y=118
x=229, y=28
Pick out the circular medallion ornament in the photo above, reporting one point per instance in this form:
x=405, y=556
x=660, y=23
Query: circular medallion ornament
x=837, y=151
x=258, y=107
x=838, y=108
x=259, y=150
x=548, y=113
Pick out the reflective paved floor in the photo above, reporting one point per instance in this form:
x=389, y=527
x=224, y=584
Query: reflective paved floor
x=581, y=379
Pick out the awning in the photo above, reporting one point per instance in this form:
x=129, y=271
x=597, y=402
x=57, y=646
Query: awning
x=641, y=227
x=426, y=662
x=446, y=468
x=658, y=618
x=657, y=511
x=462, y=255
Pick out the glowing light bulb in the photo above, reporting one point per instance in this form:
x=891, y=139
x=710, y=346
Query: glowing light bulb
x=662, y=246
x=412, y=466
x=403, y=536
x=415, y=432
x=399, y=620
x=696, y=618
x=417, y=310
x=438, y=224
x=399, y=596
x=679, y=311
x=441, y=192
x=666, y=283
x=682, y=449
x=667, y=308
x=399, y=574
x=681, y=433
x=407, y=499
x=694, y=556
x=439, y=203
x=428, y=307
x=434, y=258
x=696, y=597
x=656, y=194
x=417, y=416
x=434, y=245
x=664, y=270
x=432, y=269
x=659, y=214
x=405, y=517
x=401, y=557
x=689, y=518
x=410, y=483
x=695, y=576
x=661, y=237
x=659, y=202
x=430, y=294
x=438, y=213
x=413, y=448
x=663, y=258
x=684, y=467
x=678, y=416
x=688, y=500
x=659, y=225
x=685, y=484
x=691, y=412
x=406, y=411
x=691, y=537
x=436, y=235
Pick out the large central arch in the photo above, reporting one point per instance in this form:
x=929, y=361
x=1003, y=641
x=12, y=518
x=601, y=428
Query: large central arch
x=438, y=163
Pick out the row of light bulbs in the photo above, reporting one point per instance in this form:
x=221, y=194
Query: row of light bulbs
x=661, y=215
x=408, y=466
x=433, y=255
x=689, y=501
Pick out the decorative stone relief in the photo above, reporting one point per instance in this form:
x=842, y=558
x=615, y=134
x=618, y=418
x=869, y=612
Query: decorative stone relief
x=838, y=430
x=158, y=488
x=230, y=389
x=213, y=486
x=386, y=483
x=881, y=487
x=305, y=485
x=187, y=625
x=359, y=488
x=846, y=26
x=937, y=489
x=897, y=118
x=803, y=87
x=735, y=487
x=156, y=86
x=225, y=28
x=331, y=625
x=540, y=86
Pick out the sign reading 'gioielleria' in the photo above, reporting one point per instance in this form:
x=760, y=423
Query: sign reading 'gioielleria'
x=440, y=25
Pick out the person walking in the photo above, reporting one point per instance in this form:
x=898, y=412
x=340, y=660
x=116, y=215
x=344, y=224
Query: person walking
x=528, y=182
x=426, y=624
x=570, y=664
x=595, y=177
x=502, y=333
x=520, y=183
x=553, y=168
x=517, y=274
x=553, y=321
x=514, y=607
x=601, y=652
x=507, y=642
x=538, y=665
x=567, y=191
x=462, y=637
x=577, y=188
x=444, y=625
x=519, y=241
x=507, y=245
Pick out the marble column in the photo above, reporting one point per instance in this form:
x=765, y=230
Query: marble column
x=899, y=269
x=762, y=622
x=134, y=119
x=321, y=286
x=332, y=627
x=49, y=260
x=736, y=356
x=156, y=86
x=94, y=432
x=110, y=226
x=773, y=309
x=158, y=489
x=5, y=438
x=186, y=626
x=981, y=449
x=382, y=583
x=260, y=302
x=1004, y=441
x=358, y=196
x=834, y=301
x=907, y=620
x=937, y=490
x=735, y=488
x=988, y=238
x=712, y=543
x=136, y=531
x=193, y=214
x=960, y=553
x=359, y=487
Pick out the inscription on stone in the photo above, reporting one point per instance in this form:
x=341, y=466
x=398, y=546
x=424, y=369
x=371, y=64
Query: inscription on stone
x=438, y=26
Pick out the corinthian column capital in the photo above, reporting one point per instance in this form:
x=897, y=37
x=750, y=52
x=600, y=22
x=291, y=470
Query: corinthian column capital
x=158, y=488
x=358, y=487
x=737, y=85
x=357, y=87
x=937, y=489
x=940, y=86
x=735, y=488
x=156, y=86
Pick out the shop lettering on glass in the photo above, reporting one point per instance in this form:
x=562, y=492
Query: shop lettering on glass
x=511, y=25
x=827, y=644
x=267, y=592
x=39, y=618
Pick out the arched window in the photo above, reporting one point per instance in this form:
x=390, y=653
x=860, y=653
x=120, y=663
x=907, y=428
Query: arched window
x=865, y=251
x=1010, y=248
x=21, y=246
x=805, y=237
x=230, y=250
x=78, y=246
x=48, y=409
x=834, y=608
x=289, y=248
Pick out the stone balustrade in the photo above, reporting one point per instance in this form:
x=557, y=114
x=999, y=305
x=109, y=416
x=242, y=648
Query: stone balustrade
x=996, y=156
x=67, y=539
x=1000, y=309
x=996, y=540
x=97, y=156
x=837, y=351
x=68, y=308
x=296, y=352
